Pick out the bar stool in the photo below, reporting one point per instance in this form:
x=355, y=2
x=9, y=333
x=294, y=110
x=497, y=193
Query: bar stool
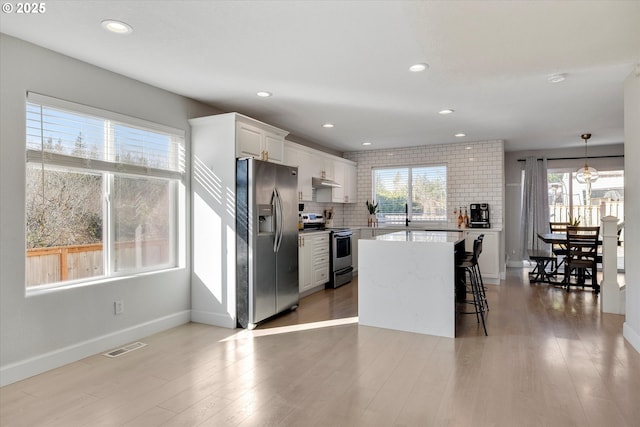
x=475, y=288
x=469, y=256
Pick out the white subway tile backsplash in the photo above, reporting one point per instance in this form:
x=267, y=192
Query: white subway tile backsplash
x=477, y=181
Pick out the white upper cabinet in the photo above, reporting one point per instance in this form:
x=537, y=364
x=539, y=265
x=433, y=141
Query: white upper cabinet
x=323, y=166
x=317, y=164
x=259, y=140
x=303, y=160
x=350, y=183
x=344, y=173
x=337, y=193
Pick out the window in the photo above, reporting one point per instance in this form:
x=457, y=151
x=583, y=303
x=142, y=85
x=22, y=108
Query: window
x=569, y=199
x=421, y=190
x=102, y=193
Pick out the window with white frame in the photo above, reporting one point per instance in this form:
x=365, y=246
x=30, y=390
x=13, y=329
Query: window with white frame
x=416, y=192
x=102, y=193
x=586, y=203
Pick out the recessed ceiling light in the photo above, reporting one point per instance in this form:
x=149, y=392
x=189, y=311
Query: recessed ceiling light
x=366, y=143
x=556, y=78
x=416, y=68
x=264, y=94
x=468, y=148
x=460, y=135
x=117, y=27
x=446, y=111
x=327, y=125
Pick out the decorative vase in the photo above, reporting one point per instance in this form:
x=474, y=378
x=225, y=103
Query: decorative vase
x=372, y=221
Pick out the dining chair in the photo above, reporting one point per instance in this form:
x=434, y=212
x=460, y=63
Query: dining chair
x=582, y=256
x=557, y=249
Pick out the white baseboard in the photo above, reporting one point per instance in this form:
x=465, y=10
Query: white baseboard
x=632, y=336
x=213, y=319
x=54, y=359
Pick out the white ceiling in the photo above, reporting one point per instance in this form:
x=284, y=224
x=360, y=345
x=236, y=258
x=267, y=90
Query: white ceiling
x=346, y=62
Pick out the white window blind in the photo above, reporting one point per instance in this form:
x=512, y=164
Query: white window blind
x=68, y=134
x=102, y=192
x=420, y=190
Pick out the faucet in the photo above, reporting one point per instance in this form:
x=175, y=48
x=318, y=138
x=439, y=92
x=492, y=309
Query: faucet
x=406, y=215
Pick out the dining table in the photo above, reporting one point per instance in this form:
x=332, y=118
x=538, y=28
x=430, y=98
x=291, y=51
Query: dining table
x=560, y=239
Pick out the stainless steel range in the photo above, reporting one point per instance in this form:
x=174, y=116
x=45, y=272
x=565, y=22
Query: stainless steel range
x=341, y=261
x=341, y=266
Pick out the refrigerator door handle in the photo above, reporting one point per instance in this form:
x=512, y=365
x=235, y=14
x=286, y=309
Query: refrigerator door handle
x=279, y=221
x=274, y=206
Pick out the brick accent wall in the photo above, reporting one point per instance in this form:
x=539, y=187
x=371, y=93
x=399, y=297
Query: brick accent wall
x=475, y=175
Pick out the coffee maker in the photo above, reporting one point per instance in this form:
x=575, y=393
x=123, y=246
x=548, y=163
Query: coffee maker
x=479, y=215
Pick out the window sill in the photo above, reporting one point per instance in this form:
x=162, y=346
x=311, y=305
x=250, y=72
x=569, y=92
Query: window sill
x=48, y=289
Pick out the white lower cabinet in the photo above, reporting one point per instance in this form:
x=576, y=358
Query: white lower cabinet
x=305, y=263
x=354, y=249
x=489, y=260
x=320, y=259
x=313, y=260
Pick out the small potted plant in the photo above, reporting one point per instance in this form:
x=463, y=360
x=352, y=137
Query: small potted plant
x=574, y=222
x=373, y=210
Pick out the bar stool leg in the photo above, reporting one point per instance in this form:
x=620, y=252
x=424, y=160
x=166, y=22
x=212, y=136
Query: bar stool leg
x=479, y=300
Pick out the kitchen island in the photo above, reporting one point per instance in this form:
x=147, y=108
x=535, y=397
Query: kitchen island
x=406, y=281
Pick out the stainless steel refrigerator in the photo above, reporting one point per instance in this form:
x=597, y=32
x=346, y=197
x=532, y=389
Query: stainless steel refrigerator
x=267, y=240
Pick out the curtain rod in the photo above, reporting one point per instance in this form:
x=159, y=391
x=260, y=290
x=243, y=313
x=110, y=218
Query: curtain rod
x=577, y=158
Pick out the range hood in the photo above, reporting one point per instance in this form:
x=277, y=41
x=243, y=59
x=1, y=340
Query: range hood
x=324, y=183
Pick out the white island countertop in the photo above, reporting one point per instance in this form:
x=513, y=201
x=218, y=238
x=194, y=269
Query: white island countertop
x=422, y=236
x=406, y=281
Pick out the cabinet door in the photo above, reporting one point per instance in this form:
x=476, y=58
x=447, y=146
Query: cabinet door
x=248, y=141
x=303, y=161
x=323, y=166
x=274, y=146
x=320, y=259
x=305, y=262
x=489, y=258
x=354, y=249
x=350, y=182
x=337, y=193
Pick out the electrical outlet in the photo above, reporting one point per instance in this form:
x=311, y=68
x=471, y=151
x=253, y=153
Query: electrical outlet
x=118, y=307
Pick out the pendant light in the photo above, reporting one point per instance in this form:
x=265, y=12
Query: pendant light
x=586, y=175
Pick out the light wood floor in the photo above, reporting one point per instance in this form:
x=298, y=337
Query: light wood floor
x=551, y=359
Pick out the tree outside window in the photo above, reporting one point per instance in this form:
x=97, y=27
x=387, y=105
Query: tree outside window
x=420, y=190
x=101, y=194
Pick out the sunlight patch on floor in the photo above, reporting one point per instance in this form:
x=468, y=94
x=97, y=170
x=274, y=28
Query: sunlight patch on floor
x=248, y=334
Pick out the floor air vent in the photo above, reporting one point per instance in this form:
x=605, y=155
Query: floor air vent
x=126, y=349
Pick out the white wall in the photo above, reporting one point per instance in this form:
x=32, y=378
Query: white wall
x=631, y=328
x=48, y=330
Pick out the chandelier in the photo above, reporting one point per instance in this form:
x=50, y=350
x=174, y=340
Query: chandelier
x=586, y=174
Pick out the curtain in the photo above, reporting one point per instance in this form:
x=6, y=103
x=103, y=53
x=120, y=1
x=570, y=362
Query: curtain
x=535, y=206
